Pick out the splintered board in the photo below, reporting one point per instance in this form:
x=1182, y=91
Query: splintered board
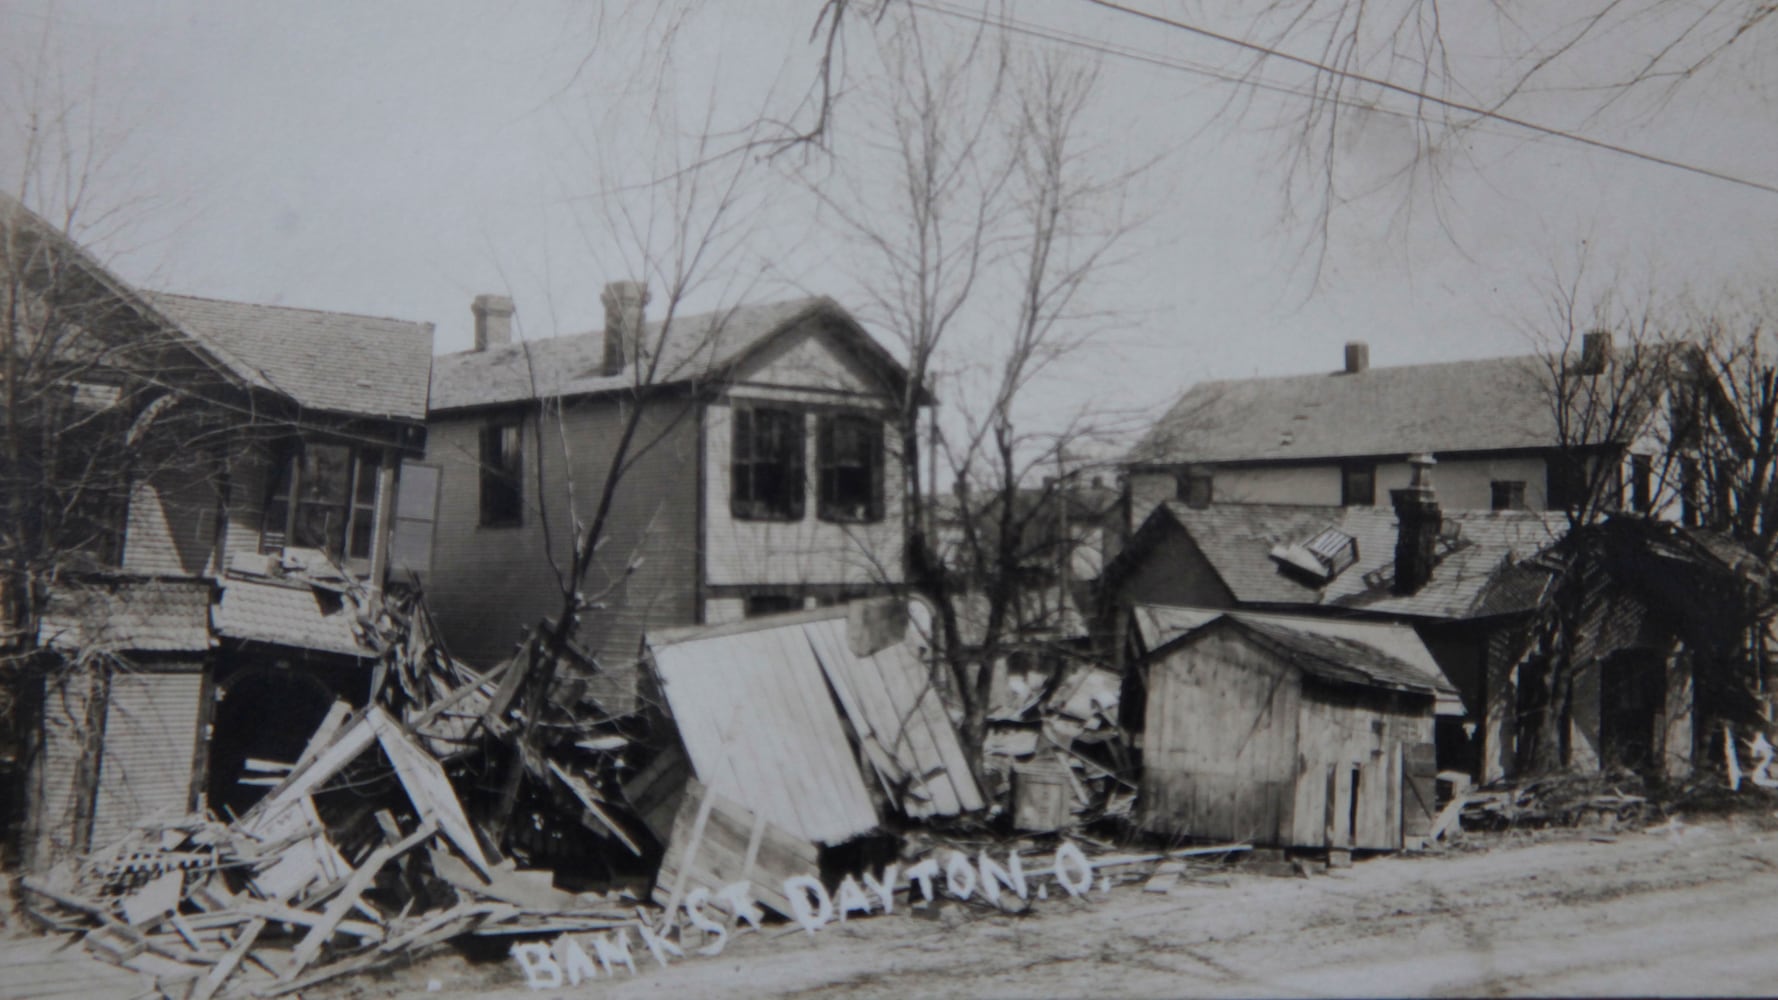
x=716, y=843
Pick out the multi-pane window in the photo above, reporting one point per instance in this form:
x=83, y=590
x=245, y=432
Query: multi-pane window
x=323, y=496
x=1508, y=494
x=849, y=449
x=1358, y=484
x=502, y=474
x=767, y=465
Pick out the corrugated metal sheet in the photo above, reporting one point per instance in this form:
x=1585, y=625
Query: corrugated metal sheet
x=900, y=720
x=289, y=616
x=754, y=712
x=1157, y=625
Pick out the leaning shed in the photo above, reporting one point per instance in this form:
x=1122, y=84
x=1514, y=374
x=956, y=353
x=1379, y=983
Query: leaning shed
x=1286, y=735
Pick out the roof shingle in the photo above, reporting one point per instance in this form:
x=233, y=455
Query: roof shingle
x=1237, y=539
x=329, y=361
x=288, y=616
x=147, y=615
x=697, y=346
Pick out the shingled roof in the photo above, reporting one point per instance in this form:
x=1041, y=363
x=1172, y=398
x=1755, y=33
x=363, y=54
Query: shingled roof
x=697, y=347
x=329, y=361
x=1237, y=540
x=1455, y=406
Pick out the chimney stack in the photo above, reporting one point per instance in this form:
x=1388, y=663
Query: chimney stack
x=493, y=321
x=1595, y=352
x=1358, y=356
x=1418, y=520
x=624, y=302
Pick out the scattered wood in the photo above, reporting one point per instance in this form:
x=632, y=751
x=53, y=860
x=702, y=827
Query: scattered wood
x=716, y=842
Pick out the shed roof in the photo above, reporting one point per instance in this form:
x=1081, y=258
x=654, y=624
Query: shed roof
x=329, y=361
x=128, y=614
x=697, y=347
x=1237, y=540
x=1454, y=406
x=1158, y=625
x=1339, y=659
x=288, y=614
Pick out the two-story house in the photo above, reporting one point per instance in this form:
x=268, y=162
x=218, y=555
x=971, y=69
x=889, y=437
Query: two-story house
x=1516, y=433
x=206, y=617
x=763, y=473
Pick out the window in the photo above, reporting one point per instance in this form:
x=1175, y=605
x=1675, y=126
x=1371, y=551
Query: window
x=416, y=510
x=323, y=496
x=1642, y=483
x=1358, y=484
x=1509, y=494
x=1199, y=488
x=772, y=604
x=849, y=450
x=767, y=469
x=1566, y=481
x=502, y=474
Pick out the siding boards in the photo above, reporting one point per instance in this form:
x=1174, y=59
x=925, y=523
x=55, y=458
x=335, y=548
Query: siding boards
x=151, y=724
x=490, y=583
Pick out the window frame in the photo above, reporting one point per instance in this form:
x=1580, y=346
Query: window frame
x=829, y=506
x=1642, y=483
x=1348, y=496
x=500, y=497
x=746, y=502
x=284, y=489
x=1514, y=492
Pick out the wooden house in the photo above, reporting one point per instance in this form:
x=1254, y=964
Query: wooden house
x=201, y=612
x=763, y=478
x=1286, y=735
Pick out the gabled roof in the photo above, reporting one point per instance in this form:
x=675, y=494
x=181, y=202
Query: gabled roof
x=1455, y=406
x=329, y=361
x=1237, y=540
x=1157, y=625
x=697, y=348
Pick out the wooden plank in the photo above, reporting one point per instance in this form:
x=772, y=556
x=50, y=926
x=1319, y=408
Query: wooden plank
x=427, y=786
x=307, y=918
x=1419, y=790
x=213, y=981
x=341, y=904
x=590, y=801
x=724, y=852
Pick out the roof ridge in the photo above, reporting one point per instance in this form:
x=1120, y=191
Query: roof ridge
x=1370, y=370
x=286, y=308
x=809, y=300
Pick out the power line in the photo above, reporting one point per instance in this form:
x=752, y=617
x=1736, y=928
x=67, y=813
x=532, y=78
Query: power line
x=1480, y=112
x=1061, y=37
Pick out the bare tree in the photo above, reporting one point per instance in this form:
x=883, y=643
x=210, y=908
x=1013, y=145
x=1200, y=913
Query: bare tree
x=981, y=235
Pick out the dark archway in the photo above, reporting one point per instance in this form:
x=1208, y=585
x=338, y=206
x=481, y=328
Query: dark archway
x=264, y=713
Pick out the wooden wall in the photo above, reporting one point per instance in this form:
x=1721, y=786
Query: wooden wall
x=1220, y=741
x=1240, y=745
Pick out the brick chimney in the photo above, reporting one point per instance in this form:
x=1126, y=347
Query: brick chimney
x=624, y=302
x=1595, y=352
x=1418, y=520
x=493, y=321
x=1358, y=356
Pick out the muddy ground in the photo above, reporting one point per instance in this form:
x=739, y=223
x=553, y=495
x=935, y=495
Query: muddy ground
x=1687, y=910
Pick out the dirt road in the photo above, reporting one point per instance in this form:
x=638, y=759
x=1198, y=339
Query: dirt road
x=1690, y=911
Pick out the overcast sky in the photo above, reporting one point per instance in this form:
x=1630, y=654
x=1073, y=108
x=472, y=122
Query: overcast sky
x=399, y=158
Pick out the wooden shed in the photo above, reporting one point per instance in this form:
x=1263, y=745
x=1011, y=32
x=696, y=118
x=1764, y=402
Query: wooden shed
x=1285, y=735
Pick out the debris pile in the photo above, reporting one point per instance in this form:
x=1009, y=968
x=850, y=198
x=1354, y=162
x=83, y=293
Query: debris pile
x=1555, y=800
x=1057, y=758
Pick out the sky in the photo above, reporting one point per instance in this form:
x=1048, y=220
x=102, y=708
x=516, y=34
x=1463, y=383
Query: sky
x=399, y=158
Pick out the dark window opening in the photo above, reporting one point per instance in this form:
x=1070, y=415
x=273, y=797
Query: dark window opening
x=1199, y=489
x=850, y=456
x=1508, y=494
x=1358, y=485
x=1691, y=492
x=322, y=496
x=767, y=465
x=1642, y=483
x=1566, y=484
x=502, y=474
x=772, y=604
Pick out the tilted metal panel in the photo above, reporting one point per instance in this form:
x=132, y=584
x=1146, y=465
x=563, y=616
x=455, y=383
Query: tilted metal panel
x=893, y=705
x=761, y=728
